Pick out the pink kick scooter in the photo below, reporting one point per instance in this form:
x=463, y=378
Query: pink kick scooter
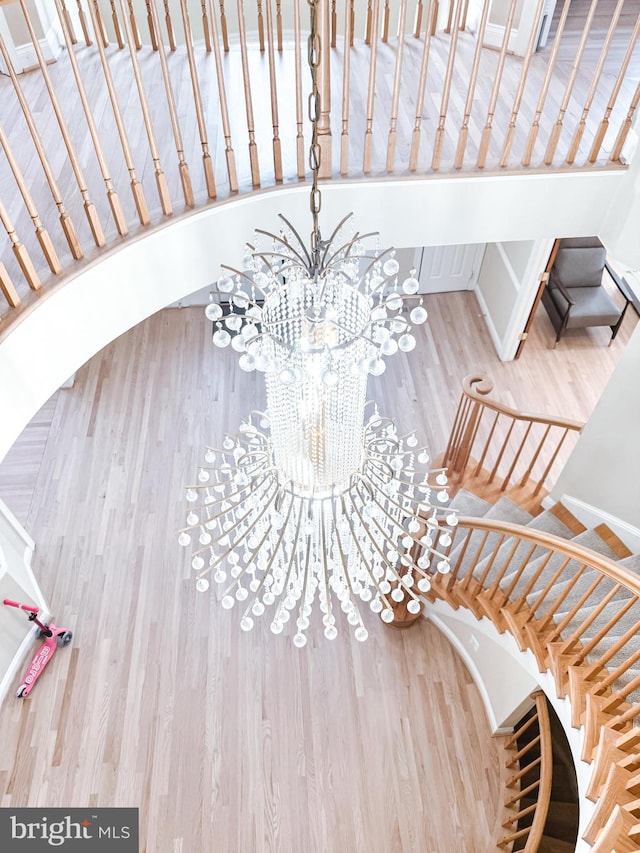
x=54, y=637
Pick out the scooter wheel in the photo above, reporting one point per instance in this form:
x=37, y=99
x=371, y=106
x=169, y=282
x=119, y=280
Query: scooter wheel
x=64, y=639
x=21, y=692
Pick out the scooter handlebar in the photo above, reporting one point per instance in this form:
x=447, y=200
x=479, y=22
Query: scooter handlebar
x=17, y=604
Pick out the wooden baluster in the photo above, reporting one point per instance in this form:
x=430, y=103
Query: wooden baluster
x=542, y=595
x=557, y=128
x=503, y=447
x=595, y=79
x=346, y=70
x=116, y=25
x=556, y=636
x=133, y=25
x=101, y=33
x=516, y=574
x=526, y=62
x=371, y=90
x=456, y=430
x=161, y=180
x=516, y=457
x=463, y=20
x=535, y=456
x=260, y=26
x=136, y=187
x=602, y=686
x=486, y=133
x=422, y=83
x=83, y=24
x=535, y=126
x=452, y=4
x=547, y=620
x=275, y=122
x=473, y=79
x=8, y=288
x=74, y=38
x=368, y=27
x=223, y=27
x=279, y=24
x=299, y=116
x=570, y=643
x=395, y=98
x=152, y=30
x=545, y=473
x=626, y=127
x=446, y=90
x=112, y=195
x=604, y=124
x=597, y=667
x=42, y=234
x=334, y=23
x=352, y=21
x=183, y=168
x=418, y=21
x=253, y=148
x=487, y=444
x=224, y=111
x=207, y=162
x=385, y=22
x=89, y=207
x=169, y=25
x=434, y=18
x=66, y=222
x=619, y=696
x=205, y=26
x=22, y=255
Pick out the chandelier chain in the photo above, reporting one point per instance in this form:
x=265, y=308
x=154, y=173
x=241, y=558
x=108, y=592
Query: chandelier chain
x=315, y=153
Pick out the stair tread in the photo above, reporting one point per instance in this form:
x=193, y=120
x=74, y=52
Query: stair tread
x=469, y=504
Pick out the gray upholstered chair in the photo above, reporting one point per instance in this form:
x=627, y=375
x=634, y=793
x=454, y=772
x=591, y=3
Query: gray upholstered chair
x=574, y=296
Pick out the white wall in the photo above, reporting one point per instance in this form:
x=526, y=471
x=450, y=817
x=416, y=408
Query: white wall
x=604, y=468
x=107, y=296
x=17, y=583
x=507, y=286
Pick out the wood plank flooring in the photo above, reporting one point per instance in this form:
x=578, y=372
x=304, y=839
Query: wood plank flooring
x=237, y=742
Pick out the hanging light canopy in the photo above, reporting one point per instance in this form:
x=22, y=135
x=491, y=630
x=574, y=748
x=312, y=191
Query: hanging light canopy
x=319, y=498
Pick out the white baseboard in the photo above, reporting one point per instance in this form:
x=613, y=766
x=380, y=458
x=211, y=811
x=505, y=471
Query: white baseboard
x=26, y=53
x=592, y=516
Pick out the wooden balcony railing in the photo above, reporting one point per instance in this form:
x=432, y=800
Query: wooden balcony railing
x=494, y=445
x=153, y=108
x=531, y=780
x=579, y=613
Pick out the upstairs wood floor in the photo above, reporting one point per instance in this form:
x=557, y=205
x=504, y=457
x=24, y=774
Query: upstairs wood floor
x=228, y=741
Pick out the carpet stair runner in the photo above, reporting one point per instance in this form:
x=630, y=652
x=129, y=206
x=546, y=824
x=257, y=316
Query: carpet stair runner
x=485, y=580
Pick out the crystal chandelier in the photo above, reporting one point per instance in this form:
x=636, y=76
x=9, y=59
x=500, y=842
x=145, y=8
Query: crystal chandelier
x=319, y=497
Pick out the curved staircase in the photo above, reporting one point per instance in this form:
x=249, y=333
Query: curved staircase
x=571, y=596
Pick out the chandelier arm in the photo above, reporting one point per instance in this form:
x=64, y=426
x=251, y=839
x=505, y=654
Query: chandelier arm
x=403, y=510
x=344, y=562
x=274, y=552
x=264, y=255
x=371, y=266
x=253, y=553
x=383, y=557
x=356, y=542
x=206, y=507
x=323, y=535
x=307, y=557
x=242, y=537
x=346, y=247
x=242, y=275
x=334, y=234
x=285, y=242
x=293, y=551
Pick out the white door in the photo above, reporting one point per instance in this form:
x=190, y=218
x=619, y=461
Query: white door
x=445, y=268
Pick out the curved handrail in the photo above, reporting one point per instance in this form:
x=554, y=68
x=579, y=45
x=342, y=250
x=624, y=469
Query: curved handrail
x=566, y=547
x=546, y=776
x=512, y=447
x=476, y=386
x=563, y=602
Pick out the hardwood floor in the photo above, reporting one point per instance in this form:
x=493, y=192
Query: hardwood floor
x=228, y=741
